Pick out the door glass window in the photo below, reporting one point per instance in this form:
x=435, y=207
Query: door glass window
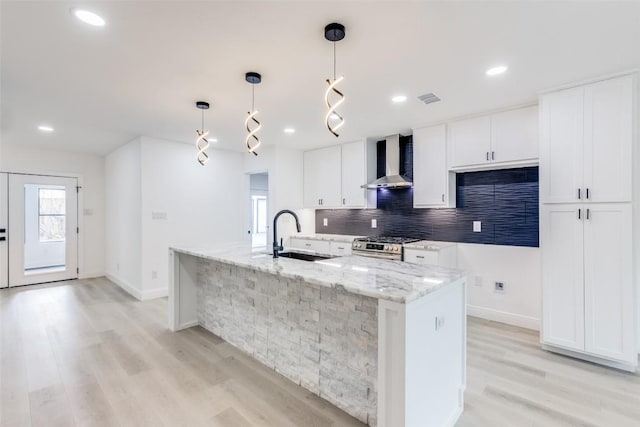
x=51, y=215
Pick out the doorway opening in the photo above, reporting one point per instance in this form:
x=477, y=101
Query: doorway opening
x=259, y=221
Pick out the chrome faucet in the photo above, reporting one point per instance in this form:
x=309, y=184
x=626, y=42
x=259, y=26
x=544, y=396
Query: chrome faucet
x=278, y=247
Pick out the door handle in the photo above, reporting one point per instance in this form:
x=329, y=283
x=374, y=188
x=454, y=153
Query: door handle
x=579, y=213
x=493, y=155
x=487, y=156
x=579, y=194
x=587, y=193
x=588, y=211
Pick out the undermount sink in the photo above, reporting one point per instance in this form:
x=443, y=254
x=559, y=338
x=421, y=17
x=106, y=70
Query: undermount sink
x=303, y=257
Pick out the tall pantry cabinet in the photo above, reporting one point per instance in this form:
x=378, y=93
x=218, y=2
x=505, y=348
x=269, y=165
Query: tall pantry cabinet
x=586, y=221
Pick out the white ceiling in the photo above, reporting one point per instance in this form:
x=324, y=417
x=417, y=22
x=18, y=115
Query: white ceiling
x=142, y=73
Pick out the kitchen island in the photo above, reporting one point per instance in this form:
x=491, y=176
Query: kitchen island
x=382, y=340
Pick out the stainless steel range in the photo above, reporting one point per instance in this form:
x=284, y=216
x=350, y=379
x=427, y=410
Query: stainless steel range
x=380, y=247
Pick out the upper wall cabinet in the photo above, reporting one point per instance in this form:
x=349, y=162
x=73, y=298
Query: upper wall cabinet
x=322, y=177
x=433, y=187
x=333, y=176
x=496, y=140
x=585, y=150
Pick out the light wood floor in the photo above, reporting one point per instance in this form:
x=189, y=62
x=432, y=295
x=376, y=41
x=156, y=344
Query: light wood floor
x=85, y=353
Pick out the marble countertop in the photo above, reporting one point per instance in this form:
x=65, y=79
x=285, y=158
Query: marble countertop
x=383, y=279
x=429, y=245
x=326, y=237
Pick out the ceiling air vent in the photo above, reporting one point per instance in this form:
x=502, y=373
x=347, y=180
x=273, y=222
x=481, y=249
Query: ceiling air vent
x=429, y=98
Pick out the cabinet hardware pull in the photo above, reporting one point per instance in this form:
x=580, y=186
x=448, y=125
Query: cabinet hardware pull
x=341, y=247
x=588, y=211
x=307, y=244
x=587, y=193
x=493, y=155
x=579, y=213
x=344, y=201
x=443, y=197
x=420, y=256
x=579, y=197
x=487, y=155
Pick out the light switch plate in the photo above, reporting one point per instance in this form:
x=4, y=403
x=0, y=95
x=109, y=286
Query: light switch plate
x=477, y=226
x=374, y=223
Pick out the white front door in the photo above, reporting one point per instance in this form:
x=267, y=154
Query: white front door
x=4, y=250
x=42, y=233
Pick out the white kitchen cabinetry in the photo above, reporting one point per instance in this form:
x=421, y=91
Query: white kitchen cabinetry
x=504, y=139
x=354, y=174
x=433, y=184
x=317, y=246
x=333, y=176
x=322, y=177
x=340, y=248
x=425, y=252
x=586, y=224
x=586, y=150
x=588, y=302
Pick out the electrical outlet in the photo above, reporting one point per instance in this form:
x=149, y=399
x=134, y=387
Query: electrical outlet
x=499, y=287
x=154, y=274
x=439, y=322
x=325, y=222
x=477, y=226
x=374, y=223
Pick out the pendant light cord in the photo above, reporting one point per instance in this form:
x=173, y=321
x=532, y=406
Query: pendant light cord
x=202, y=120
x=334, y=61
x=253, y=97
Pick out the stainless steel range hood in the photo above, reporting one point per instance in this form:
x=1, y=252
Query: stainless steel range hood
x=392, y=178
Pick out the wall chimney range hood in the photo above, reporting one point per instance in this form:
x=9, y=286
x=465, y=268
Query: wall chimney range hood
x=392, y=178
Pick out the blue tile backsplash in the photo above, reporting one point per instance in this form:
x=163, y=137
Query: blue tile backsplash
x=506, y=201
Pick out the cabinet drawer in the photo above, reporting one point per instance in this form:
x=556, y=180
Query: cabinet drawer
x=418, y=256
x=319, y=246
x=340, y=248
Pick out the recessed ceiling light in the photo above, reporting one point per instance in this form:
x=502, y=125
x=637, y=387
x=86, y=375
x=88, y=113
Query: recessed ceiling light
x=289, y=130
x=45, y=128
x=496, y=70
x=88, y=17
x=399, y=98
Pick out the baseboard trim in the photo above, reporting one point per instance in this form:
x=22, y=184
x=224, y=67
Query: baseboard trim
x=126, y=286
x=154, y=293
x=624, y=366
x=504, y=317
x=91, y=275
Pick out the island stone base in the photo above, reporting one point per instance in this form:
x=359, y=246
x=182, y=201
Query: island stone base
x=322, y=338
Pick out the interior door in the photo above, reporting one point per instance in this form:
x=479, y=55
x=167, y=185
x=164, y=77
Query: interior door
x=561, y=241
x=4, y=251
x=43, y=234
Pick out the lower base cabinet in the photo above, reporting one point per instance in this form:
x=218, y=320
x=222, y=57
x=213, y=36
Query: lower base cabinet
x=588, y=292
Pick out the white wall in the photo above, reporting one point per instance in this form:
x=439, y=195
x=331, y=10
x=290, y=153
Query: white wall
x=201, y=204
x=123, y=263
x=518, y=268
x=90, y=170
x=285, y=167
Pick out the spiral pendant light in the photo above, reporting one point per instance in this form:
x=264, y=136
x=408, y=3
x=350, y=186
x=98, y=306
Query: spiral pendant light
x=201, y=142
x=252, y=140
x=334, y=32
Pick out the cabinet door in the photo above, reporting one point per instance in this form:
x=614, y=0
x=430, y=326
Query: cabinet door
x=470, y=141
x=340, y=248
x=609, y=297
x=608, y=129
x=423, y=257
x=322, y=177
x=353, y=174
x=561, y=141
x=561, y=242
x=430, y=175
x=514, y=135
